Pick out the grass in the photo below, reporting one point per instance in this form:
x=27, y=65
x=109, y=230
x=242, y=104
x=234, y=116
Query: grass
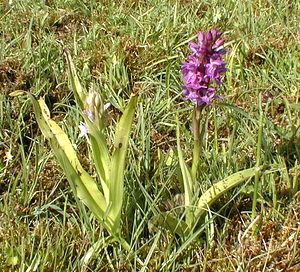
x=138, y=46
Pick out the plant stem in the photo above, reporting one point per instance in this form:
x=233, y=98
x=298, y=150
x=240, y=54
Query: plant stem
x=197, y=141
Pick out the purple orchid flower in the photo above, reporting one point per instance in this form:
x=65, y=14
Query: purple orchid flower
x=203, y=67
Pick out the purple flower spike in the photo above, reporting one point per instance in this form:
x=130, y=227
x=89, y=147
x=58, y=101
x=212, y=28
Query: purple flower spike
x=204, y=66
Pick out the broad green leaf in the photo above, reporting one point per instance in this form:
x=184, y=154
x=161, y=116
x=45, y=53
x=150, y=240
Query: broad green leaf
x=168, y=221
x=81, y=182
x=221, y=187
x=122, y=134
x=80, y=95
x=101, y=156
x=187, y=179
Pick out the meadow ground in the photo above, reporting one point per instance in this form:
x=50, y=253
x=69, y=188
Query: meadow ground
x=133, y=46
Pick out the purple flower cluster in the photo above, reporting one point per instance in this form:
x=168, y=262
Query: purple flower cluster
x=204, y=66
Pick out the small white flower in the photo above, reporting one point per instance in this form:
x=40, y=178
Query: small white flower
x=83, y=130
x=106, y=106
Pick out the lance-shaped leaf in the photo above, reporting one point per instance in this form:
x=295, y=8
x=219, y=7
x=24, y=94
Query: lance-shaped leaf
x=81, y=182
x=221, y=187
x=100, y=155
x=80, y=95
x=116, y=182
x=99, y=148
x=168, y=221
x=187, y=180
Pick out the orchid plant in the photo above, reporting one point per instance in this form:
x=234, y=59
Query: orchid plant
x=102, y=195
x=202, y=74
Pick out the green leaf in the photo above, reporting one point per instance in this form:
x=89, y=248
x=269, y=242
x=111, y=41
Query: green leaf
x=80, y=95
x=168, y=221
x=80, y=181
x=122, y=134
x=101, y=156
x=221, y=187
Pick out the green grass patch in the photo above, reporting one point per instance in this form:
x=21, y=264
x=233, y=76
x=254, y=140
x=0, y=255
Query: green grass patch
x=137, y=47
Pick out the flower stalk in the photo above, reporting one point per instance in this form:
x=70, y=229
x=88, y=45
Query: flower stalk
x=197, y=114
x=203, y=67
